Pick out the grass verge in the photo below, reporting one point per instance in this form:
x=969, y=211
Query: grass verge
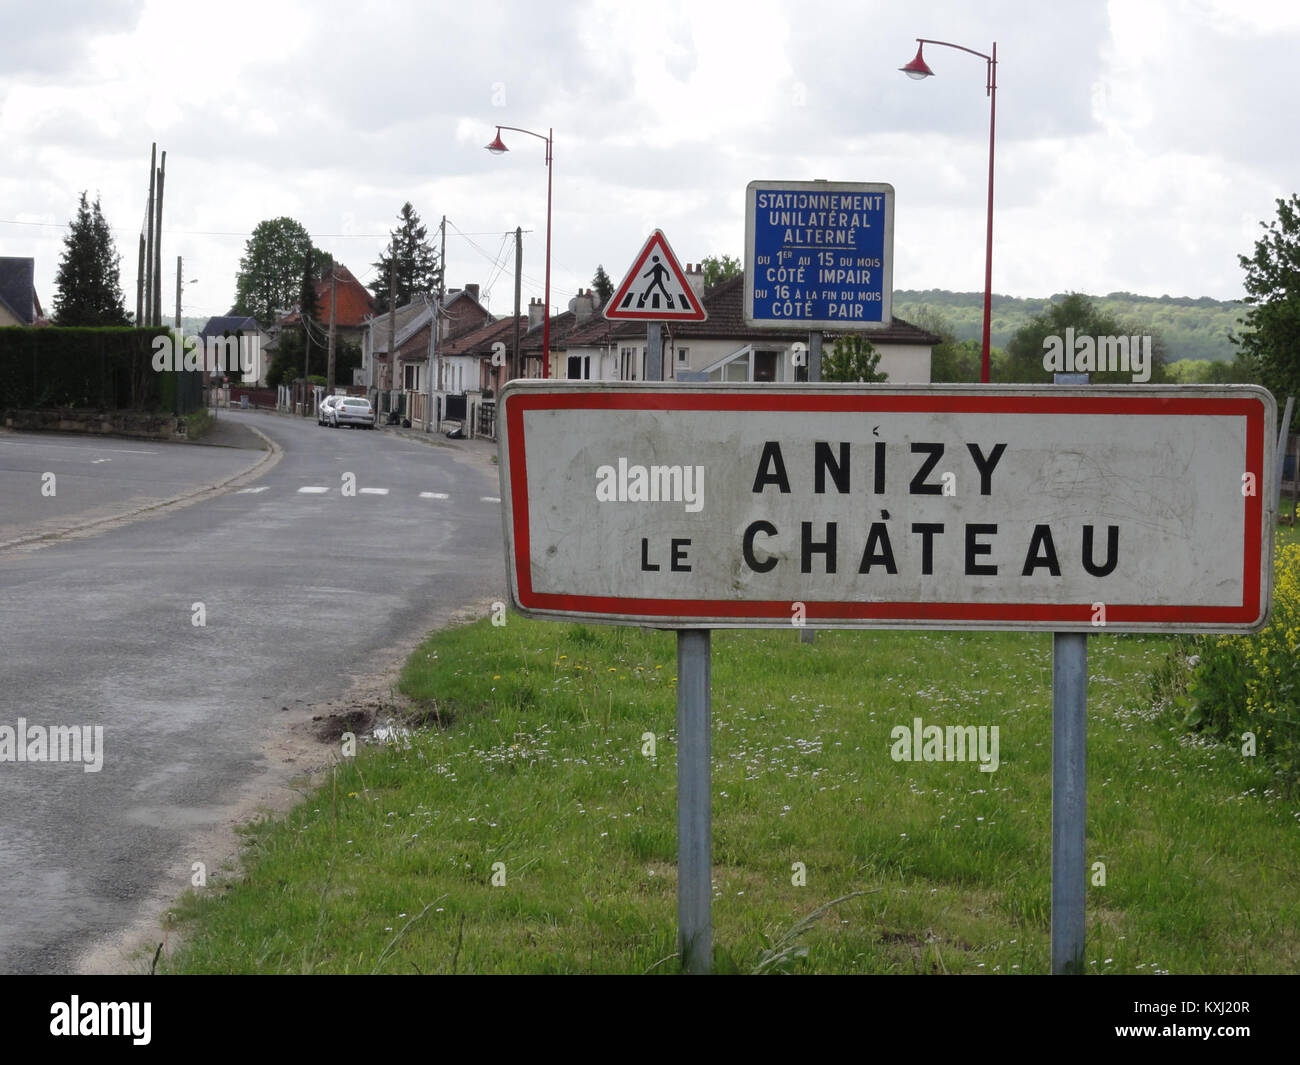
x=548, y=766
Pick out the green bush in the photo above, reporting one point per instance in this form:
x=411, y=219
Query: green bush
x=1251, y=683
x=87, y=368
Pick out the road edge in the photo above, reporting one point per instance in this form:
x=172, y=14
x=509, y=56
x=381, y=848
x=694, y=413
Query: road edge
x=269, y=458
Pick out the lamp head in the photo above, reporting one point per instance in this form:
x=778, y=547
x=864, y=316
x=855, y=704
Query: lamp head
x=916, y=69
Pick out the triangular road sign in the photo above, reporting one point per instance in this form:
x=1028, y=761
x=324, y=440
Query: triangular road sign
x=655, y=289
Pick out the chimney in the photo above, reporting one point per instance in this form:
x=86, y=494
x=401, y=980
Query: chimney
x=536, y=313
x=695, y=275
x=472, y=290
x=583, y=305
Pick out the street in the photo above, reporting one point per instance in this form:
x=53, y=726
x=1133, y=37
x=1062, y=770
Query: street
x=299, y=588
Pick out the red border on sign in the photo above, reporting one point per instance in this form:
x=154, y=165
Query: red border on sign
x=695, y=312
x=1250, y=610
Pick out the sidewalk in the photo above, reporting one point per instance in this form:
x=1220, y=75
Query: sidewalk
x=479, y=445
x=226, y=432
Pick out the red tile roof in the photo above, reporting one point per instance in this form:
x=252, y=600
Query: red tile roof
x=726, y=321
x=479, y=341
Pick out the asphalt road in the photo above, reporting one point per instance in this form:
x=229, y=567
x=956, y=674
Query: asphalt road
x=301, y=586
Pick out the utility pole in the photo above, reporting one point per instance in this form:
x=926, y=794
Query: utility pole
x=392, y=319
x=178, y=293
x=306, y=369
x=139, y=288
x=157, y=245
x=329, y=376
x=148, y=270
x=519, y=276
x=442, y=263
x=433, y=350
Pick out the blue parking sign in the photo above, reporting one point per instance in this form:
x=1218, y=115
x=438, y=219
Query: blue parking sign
x=818, y=255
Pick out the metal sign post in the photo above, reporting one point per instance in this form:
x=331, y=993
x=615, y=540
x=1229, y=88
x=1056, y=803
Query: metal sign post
x=1069, y=779
x=694, y=802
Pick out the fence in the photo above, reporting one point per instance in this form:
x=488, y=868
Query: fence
x=487, y=419
x=257, y=397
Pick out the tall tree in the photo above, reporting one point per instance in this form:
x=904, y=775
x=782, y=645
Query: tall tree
x=603, y=285
x=88, y=283
x=852, y=358
x=418, y=269
x=308, y=307
x=1025, y=350
x=718, y=269
x=1269, y=343
x=271, y=270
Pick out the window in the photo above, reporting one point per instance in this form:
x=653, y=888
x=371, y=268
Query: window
x=411, y=377
x=579, y=367
x=627, y=363
x=683, y=356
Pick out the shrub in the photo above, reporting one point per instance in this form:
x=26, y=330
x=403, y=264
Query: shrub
x=1252, y=682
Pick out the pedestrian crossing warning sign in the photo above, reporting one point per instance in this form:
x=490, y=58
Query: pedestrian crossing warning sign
x=655, y=289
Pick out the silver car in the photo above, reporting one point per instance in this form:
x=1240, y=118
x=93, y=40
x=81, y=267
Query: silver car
x=326, y=406
x=354, y=411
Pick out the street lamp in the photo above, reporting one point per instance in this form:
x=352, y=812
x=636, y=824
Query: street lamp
x=496, y=148
x=917, y=69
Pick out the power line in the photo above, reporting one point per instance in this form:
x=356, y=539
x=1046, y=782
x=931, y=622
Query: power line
x=235, y=233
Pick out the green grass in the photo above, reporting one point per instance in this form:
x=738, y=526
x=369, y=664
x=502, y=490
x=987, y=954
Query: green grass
x=539, y=765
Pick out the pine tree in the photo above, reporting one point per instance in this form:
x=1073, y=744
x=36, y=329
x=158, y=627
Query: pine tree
x=89, y=287
x=603, y=285
x=418, y=268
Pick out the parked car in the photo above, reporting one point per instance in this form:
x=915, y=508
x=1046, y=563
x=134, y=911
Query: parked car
x=354, y=411
x=326, y=406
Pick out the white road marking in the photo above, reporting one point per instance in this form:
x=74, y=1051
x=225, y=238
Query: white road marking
x=96, y=462
x=311, y=490
x=250, y=491
x=373, y=491
x=76, y=447
x=489, y=499
x=434, y=495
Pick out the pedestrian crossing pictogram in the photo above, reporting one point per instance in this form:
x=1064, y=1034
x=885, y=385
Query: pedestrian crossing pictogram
x=655, y=289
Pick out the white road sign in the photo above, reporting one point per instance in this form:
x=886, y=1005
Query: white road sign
x=1121, y=508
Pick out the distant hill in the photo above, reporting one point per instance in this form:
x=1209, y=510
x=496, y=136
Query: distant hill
x=1191, y=328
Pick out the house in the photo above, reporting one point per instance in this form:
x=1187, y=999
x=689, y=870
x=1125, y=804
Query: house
x=352, y=303
x=251, y=348
x=582, y=319
x=18, y=302
x=480, y=360
x=383, y=373
x=401, y=367
x=584, y=346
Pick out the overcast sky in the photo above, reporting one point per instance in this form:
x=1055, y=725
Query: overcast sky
x=1139, y=142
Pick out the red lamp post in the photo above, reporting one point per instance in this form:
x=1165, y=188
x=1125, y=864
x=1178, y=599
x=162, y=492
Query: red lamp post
x=496, y=148
x=918, y=69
